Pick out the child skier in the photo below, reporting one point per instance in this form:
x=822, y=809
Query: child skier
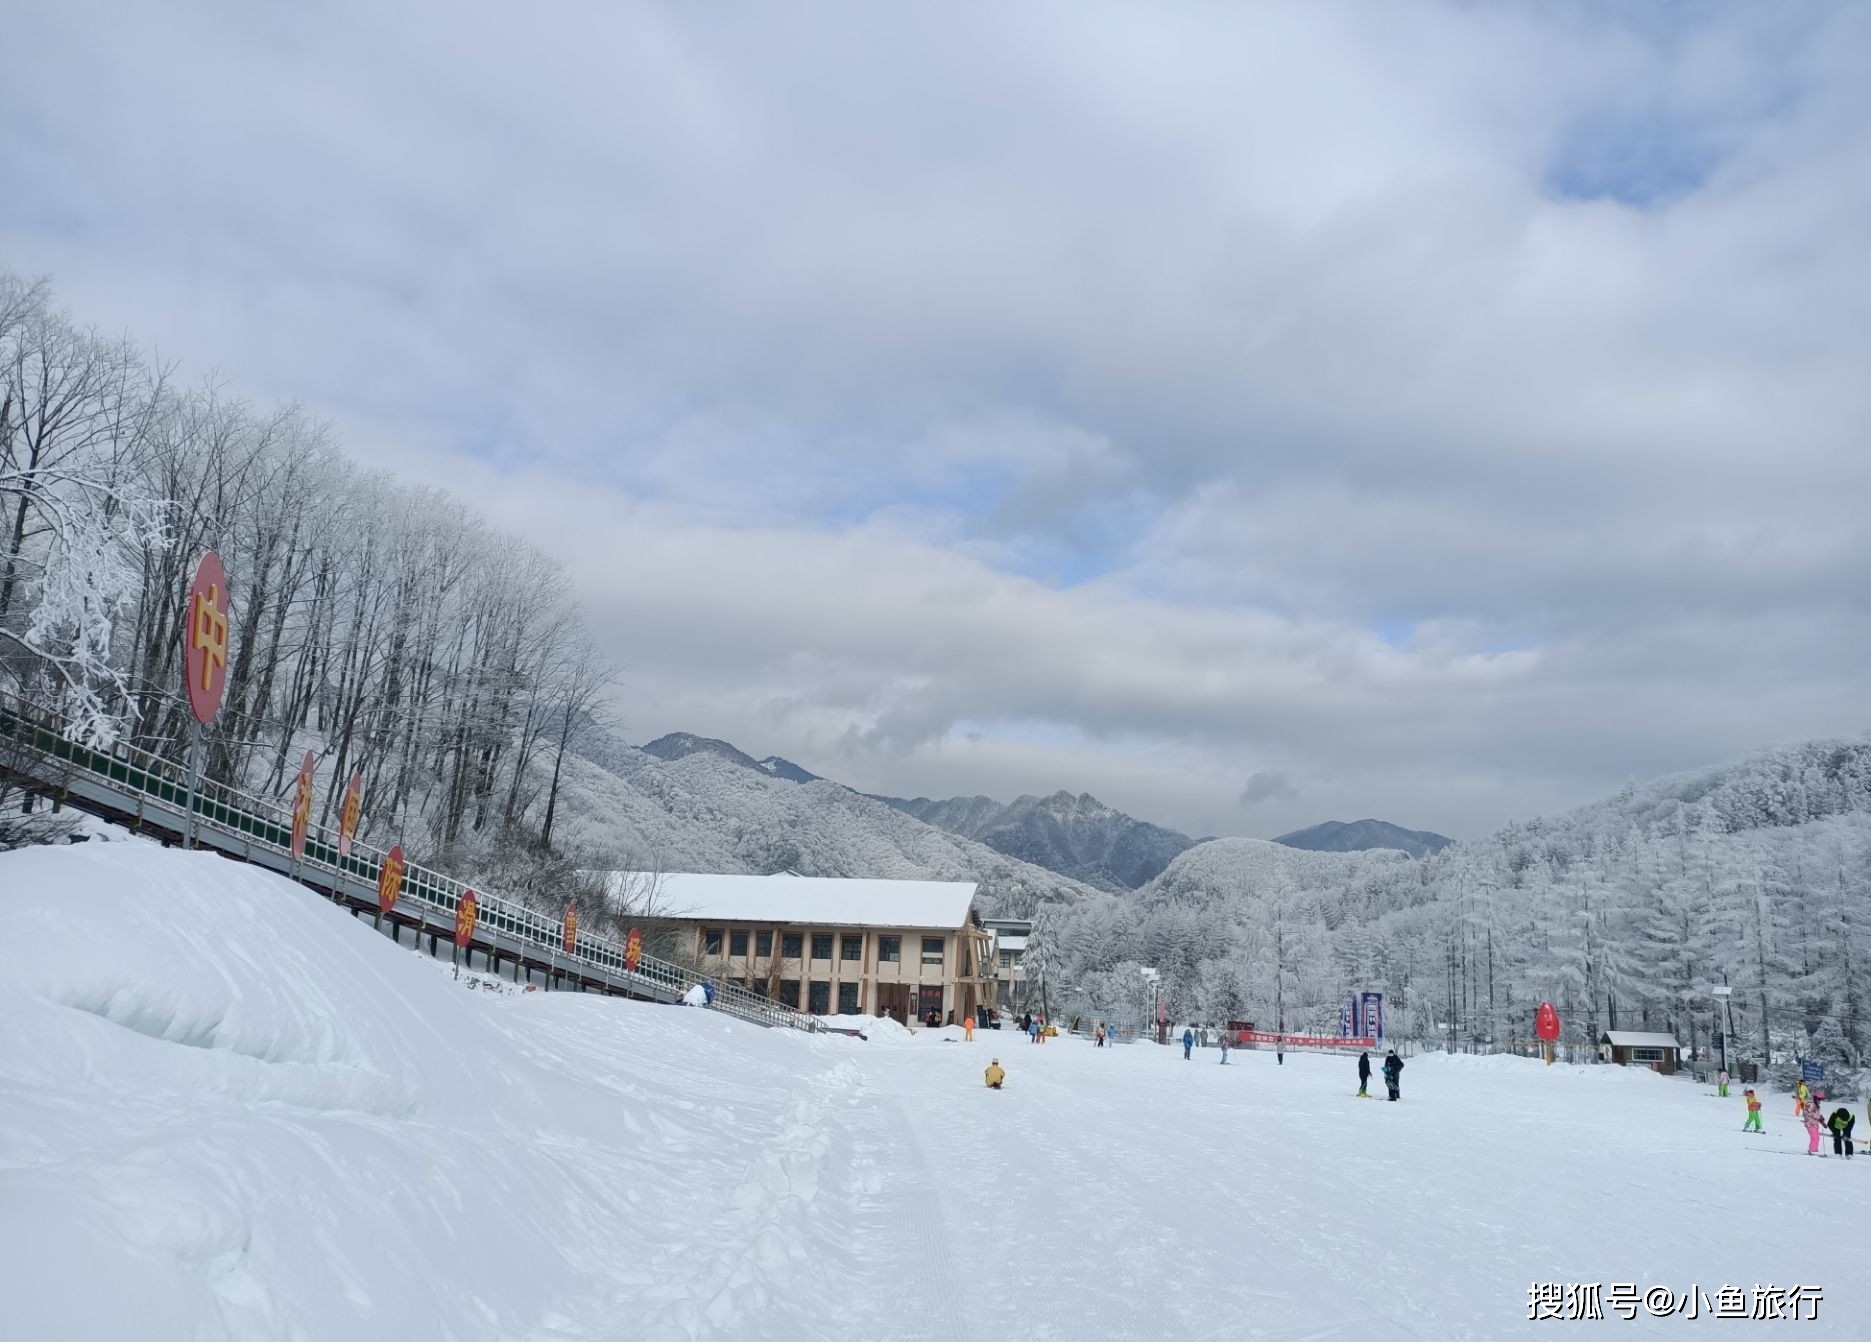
x=1754, y=1112
x=1721, y=1083
x=1225, y=1045
x=1815, y=1124
x=995, y=1074
x=1188, y=1042
x=967, y=1027
x=1801, y=1094
x=1841, y=1124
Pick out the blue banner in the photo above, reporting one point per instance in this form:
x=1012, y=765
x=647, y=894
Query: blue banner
x=1812, y=1073
x=1373, y=1016
x=1344, y=1020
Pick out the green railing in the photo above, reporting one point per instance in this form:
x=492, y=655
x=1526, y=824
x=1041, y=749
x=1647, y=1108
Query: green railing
x=144, y=783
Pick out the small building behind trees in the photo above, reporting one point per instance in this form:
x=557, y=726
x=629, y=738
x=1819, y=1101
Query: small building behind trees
x=1635, y=1048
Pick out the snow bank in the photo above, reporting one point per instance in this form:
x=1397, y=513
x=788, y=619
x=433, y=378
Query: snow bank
x=229, y=1111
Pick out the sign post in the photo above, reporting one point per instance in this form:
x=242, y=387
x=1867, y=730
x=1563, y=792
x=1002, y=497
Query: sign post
x=633, y=950
x=302, y=811
x=348, y=813
x=204, y=666
x=1546, y=1026
x=389, y=881
x=467, y=914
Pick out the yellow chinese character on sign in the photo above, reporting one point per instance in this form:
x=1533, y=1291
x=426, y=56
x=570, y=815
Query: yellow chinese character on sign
x=210, y=634
x=302, y=808
x=353, y=803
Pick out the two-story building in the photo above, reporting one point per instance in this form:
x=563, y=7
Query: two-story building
x=832, y=945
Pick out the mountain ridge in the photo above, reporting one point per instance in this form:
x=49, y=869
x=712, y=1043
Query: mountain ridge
x=1355, y=836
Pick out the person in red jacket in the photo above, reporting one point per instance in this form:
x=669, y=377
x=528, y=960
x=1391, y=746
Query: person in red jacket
x=1753, y=1123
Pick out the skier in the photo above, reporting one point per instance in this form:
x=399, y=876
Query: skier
x=1393, y=1074
x=967, y=1028
x=1188, y=1042
x=1364, y=1075
x=1841, y=1123
x=1754, y=1112
x=1098, y=1036
x=1815, y=1124
x=995, y=1074
x=1225, y=1046
x=1721, y=1083
x=1800, y=1095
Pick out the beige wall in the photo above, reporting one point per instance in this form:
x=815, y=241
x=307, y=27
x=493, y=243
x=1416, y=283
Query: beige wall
x=867, y=972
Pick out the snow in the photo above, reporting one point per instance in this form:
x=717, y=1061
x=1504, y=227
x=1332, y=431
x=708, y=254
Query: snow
x=696, y=996
x=792, y=900
x=227, y=1110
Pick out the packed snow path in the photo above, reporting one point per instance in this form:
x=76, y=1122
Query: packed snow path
x=227, y=1111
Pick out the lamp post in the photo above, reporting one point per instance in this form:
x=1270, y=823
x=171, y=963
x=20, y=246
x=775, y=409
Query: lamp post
x=1724, y=992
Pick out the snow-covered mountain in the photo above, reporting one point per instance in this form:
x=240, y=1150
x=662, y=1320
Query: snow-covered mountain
x=680, y=745
x=1340, y=836
x=1077, y=836
x=709, y=809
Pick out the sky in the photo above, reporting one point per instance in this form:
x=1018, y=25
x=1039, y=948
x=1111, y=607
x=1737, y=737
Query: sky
x=1251, y=415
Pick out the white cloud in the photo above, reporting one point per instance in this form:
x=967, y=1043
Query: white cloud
x=810, y=338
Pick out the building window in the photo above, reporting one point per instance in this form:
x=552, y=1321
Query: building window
x=711, y=941
x=789, y=993
x=932, y=950
x=889, y=950
x=847, y=999
x=792, y=944
x=1646, y=1055
x=737, y=941
x=759, y=987
x=763, y=943
x=851, y=948
x=819, y=1000
x=821, y=945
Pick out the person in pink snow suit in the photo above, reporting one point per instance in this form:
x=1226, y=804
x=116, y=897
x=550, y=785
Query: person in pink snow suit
x=1815, y=1124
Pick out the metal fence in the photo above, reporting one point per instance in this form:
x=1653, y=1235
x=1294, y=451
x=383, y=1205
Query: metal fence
x=153, y=791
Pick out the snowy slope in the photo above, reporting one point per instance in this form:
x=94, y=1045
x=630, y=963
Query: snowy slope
x=228, y=1111
x=254, y=1117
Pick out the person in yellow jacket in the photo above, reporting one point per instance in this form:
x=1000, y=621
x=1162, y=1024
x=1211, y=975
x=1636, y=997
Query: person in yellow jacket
x=1800, y=1092
x=995, y=1074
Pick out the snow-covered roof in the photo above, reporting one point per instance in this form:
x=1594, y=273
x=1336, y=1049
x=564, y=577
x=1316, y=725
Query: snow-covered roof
x=1638, y=1039
x=805, y=900
x=1010, y=943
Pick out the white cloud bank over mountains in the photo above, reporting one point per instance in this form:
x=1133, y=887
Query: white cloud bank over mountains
x=1429, y=411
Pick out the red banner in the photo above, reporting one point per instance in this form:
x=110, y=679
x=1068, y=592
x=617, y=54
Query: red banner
x=1302, y=1040
x=204, y=639
x=390, y=878
x=302, y=808
x=633, y=950
x=467, y=914
x=348, y=814
x=571, y=929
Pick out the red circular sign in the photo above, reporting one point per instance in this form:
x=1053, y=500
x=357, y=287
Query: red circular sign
x=633, y=950
x=467, y=914
x=302, y=807
x=347, y=816
x=205, y=639
x=390, y=878
x=1546, y=1022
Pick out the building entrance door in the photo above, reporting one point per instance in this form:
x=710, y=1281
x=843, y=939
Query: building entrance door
x=929, y=999
x=893, y=1000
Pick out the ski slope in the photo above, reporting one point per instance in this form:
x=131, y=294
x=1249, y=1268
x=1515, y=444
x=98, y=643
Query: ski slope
x=228, y=1111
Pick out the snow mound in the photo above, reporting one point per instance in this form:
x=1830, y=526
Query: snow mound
x=254, y=1117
